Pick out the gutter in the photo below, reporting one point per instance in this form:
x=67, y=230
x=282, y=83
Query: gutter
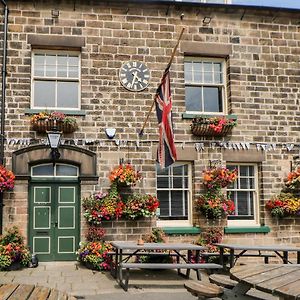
x=3, y=77
x=198, y=4
x=2, y=120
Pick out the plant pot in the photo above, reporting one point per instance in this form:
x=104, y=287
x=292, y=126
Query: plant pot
x=205, y=130
x=41, y=126
x=15, y=266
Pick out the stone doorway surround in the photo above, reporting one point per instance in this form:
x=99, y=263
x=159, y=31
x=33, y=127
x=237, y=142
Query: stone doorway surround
x=15, y=212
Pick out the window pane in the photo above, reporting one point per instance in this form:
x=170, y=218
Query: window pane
x=207, y=67
x=62, y=60
x=174, y=200
x=43, y=170
x=208, y=77
x=177, y=182
x=193, y=98
x=242, y=207
x=44, y=93
x=62, y=71
x=39, y=59
x=177, y=170
x=67, y=94
x=160, y=171
x=217, y=67
x=212, y=101
x=38, y=70
x=162, y=182
x=73, y=60
x=73, y=72
x=50, y=59
x=177, y=203
x=218, y=78
x=51, y=71
x=64, y=170
x=163, y=197
x=198, y=72
x=188, y=71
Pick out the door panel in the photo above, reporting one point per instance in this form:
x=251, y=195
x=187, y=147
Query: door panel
x=54, y=221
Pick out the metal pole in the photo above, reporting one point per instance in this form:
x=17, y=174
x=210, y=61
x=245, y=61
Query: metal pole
x=2, y=122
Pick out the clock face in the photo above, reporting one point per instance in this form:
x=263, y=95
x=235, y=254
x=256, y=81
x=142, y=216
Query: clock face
x=134, y=76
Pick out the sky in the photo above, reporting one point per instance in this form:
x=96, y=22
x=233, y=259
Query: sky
x=272, y=3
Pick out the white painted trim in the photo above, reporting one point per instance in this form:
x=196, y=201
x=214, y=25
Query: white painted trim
x=64, y=237
x=59, y=208
x=66, y=187
x=41, y=237
x=49, y=221
x=39, y=187
x=77, y=80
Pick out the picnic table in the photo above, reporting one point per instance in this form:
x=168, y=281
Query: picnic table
x=31, y=292
x=186, y=255
x=281, y=280
x=237, y=250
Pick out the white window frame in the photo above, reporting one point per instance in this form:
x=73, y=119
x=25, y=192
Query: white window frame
x=256, y=213
x=223, y=85
x=188, y=221
x=55, y=78
x=54, y=171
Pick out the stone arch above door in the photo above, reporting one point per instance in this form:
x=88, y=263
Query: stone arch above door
x=24, y=158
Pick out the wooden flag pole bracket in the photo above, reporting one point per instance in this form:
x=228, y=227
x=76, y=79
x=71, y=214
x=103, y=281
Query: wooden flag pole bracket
x=168, y=66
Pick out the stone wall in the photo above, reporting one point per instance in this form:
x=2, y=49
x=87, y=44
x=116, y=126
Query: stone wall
x=263, y=87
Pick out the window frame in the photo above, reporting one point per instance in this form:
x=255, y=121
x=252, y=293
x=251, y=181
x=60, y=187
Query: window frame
x=223, y=86
x=188, y=221
x=55, y=79
x=54, y=170
x=256, y=208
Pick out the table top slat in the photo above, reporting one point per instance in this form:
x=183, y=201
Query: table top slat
x=250, y=271
x=22, y=292
x=6, y=290
x=271, y=285
x=266, y=275
x=40, y=293
x=291, y=289
x=156, y=246
x=279, y=279
x=258, y=247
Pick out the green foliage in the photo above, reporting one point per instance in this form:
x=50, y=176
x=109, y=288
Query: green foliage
x=13, y=249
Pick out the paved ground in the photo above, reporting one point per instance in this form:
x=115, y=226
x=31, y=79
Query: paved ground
x=86, y=284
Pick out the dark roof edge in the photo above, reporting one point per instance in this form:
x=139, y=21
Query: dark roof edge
x=213, y=5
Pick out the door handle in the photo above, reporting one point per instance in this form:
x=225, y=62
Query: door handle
x=54, y=224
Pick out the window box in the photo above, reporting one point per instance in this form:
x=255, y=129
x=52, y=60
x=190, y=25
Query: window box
x=41, y=126
x=212, y=126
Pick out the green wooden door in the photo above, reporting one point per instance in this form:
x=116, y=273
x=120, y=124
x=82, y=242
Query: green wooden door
x=54, y=220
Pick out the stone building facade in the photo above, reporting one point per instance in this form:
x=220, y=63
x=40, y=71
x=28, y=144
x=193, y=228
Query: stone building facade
x=248, y=61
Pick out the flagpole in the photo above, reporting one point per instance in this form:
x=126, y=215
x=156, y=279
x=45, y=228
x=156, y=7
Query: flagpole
x=169, y=64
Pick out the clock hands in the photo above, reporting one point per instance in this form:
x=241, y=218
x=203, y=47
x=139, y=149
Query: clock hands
x=134, y=78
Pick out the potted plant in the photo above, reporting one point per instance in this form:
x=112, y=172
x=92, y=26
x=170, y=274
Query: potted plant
x=125, y=175
x=94, y=255
x=283, y=205
x=215, y=205
x=13, y=252
x=212, y=126
x=7, y=179
x=218, y=177
x=44, y=121
x=102, y=206
x=140, y=205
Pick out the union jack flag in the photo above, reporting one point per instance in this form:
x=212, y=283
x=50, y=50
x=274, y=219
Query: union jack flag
x=166, y=152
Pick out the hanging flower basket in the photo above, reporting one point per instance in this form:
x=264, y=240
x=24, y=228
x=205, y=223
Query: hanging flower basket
x=216, y=126
x=41, y=126
x=45, y=121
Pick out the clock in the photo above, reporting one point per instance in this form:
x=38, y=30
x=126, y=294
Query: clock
x=134, y=76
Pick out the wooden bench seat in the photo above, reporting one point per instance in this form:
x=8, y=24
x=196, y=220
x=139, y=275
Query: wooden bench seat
x=222, y=280
x=163, y=266
x=203, y=290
